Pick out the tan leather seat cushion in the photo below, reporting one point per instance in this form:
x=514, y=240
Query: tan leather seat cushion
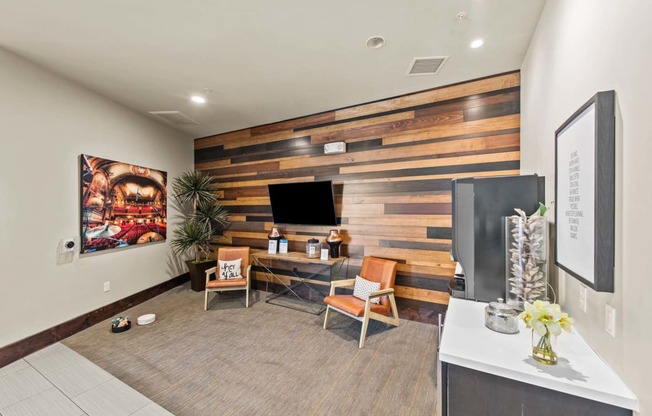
x=226, y=283
x=353, y=305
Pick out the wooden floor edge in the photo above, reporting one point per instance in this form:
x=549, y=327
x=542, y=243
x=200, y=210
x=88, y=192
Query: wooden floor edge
x=40, y=340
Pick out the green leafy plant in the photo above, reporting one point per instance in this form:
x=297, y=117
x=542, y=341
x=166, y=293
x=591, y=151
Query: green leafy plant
x=203, y=216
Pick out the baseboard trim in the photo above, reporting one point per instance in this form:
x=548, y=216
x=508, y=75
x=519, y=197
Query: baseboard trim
x=33, y=343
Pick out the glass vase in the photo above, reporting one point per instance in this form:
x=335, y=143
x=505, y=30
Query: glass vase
x=544, y=347
x=526, y=260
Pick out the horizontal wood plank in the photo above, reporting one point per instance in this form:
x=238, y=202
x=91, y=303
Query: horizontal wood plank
x=439, y=94
x=294, y=124
x=220, y=139
x=392, y=187
x=423, y=295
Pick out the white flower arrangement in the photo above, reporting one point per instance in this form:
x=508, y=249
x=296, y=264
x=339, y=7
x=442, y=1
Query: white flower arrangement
x=544, y=317
x=546, y=320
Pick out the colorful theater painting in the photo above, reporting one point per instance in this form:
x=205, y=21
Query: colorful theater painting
x=121, y=204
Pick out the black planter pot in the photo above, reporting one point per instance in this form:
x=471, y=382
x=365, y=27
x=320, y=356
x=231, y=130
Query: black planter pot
x=198, y=273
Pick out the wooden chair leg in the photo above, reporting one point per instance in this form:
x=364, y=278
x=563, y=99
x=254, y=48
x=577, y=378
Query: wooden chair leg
x=392, y=301
x=205, y=300
x=327, y=316
x=247, y=301
x=363, y=333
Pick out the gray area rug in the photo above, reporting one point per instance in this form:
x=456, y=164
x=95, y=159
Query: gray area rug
x=265, y=360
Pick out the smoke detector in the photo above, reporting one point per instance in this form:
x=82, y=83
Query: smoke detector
x=375, y=42
x=429, y=65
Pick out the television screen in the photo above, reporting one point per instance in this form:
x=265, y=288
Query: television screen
x=305, y=203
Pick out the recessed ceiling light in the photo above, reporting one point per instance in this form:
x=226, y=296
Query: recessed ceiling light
x=198, y=99
x=477, y=43
x=375, y=42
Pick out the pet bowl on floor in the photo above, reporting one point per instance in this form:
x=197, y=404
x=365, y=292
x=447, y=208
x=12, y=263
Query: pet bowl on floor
x=146, y=319
x=117, y=329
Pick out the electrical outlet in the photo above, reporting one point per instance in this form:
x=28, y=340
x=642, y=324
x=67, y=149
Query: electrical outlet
x=583, y=292
x=610, y=320
x=107, y=286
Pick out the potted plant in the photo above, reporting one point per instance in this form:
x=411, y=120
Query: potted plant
x=203, y=218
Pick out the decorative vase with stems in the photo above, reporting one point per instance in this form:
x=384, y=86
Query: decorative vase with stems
x=547, y=321
x=203, y=217
x=527, y=257
x=544, y=347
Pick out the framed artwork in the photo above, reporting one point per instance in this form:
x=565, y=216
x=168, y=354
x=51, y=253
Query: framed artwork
x=122, y=204
x=585, y=193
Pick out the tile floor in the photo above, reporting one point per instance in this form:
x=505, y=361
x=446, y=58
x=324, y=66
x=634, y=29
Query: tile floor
x=57, y=381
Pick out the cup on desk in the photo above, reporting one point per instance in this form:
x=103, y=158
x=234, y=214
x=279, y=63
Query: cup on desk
x=272, y=246
x=283, y=246
x=324, y=254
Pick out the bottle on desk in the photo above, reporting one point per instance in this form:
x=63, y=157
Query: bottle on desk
x=274, y=237
x=313, y=248
x=283, y=246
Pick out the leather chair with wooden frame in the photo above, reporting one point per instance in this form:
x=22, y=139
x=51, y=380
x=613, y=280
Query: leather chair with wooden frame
x=218, y=285
x=376, y=270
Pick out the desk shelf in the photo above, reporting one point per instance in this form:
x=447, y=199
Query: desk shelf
x=265, y=261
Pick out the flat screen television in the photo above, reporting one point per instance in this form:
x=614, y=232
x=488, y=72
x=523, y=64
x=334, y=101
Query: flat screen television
x=303, y=203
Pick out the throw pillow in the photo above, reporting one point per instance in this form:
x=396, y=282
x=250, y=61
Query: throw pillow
x=230, y=269
x=364, y=287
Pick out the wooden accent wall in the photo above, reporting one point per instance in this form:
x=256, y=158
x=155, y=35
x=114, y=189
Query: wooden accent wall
x=392, y=185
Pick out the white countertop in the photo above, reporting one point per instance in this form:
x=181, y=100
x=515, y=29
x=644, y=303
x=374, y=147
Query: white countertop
x=579, y=371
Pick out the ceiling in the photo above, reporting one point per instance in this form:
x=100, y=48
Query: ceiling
x=264, y=61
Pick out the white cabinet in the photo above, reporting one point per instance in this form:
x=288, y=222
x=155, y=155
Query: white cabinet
x=487, y=373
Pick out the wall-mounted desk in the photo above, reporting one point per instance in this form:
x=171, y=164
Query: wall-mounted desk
x=487, y=373
x=265, y=261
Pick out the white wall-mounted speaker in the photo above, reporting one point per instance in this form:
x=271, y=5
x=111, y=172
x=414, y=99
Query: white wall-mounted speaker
x=335, y=147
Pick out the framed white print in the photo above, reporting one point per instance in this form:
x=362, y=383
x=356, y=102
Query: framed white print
x=585, y=193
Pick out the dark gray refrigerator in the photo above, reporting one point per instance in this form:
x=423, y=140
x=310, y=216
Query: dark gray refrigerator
x=479, y=205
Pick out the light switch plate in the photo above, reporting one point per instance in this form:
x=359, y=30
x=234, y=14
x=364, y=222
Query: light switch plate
x=107, y=286
x=610, y=320
x=334, y=147
x=583, y=291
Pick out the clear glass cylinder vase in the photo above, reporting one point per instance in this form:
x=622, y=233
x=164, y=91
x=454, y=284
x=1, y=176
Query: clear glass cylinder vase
x=526, y=260
x=544, y=347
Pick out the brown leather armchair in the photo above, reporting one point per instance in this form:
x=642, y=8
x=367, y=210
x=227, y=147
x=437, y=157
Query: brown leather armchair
x=217, y=285
x=376, y=270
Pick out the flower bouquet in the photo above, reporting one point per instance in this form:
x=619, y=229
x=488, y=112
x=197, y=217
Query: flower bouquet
x=547, y=321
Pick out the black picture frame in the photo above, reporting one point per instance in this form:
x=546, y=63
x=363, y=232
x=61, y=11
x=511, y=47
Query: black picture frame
x=585, y=159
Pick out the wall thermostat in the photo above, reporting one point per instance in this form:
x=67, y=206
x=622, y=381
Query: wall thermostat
x=335, y=147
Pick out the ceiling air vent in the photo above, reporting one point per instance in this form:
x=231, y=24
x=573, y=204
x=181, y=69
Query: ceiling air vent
x=429, y=65
x=173, y=117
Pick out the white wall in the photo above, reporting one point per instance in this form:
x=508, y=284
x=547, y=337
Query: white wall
x=46, y=122
x=581, y=47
